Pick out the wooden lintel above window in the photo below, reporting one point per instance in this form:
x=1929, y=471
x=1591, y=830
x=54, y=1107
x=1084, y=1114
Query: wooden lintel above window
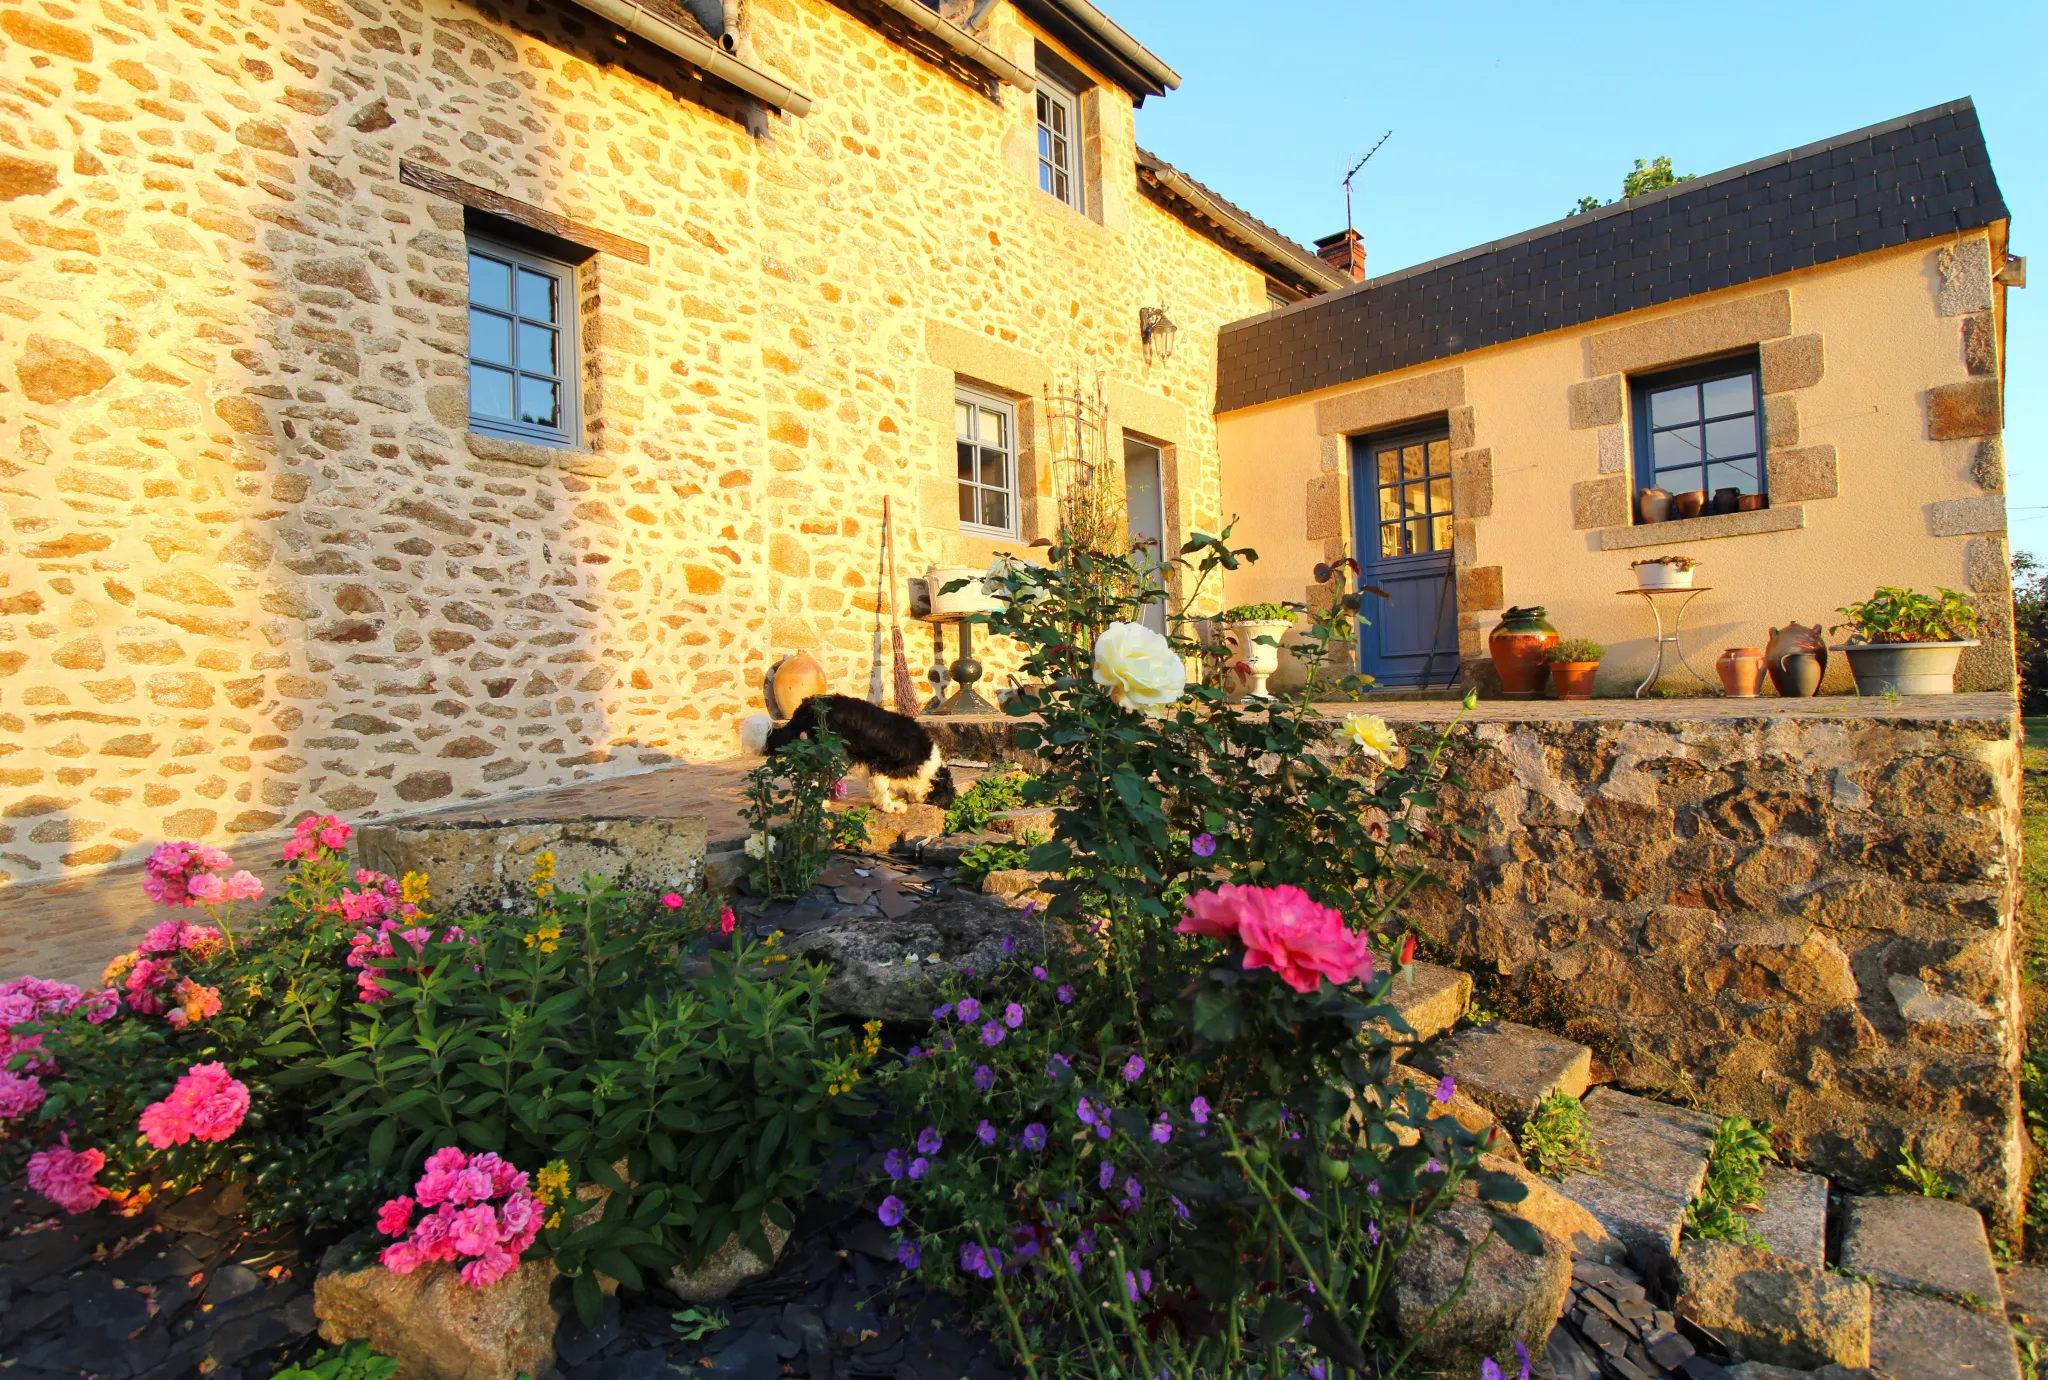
x=441, y=184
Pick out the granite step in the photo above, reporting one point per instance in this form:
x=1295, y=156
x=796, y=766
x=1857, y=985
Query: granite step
x=1938, y=1307
x=1430, y=998
x=1794, y=1219
x=1508, y=1068
x=2026, y=1301
x=1653, y=1159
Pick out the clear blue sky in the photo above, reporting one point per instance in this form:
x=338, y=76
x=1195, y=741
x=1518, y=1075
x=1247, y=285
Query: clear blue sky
x=1505, y=114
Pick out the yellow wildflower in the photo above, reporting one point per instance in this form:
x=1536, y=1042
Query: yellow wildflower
x=545, y=937
x=550, y=1186
x=413, y=887
x=542, y=878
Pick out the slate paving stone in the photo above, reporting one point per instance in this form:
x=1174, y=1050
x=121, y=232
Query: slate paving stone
x=1914, y=1337
x=1653, y=1159
x=1509, y=1068
x=1906, y=1240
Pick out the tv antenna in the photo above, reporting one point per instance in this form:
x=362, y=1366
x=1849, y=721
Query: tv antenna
x=1353, y=173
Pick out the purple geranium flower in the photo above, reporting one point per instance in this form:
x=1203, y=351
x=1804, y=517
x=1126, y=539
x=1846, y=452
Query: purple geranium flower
x=909, y=1255
x=891, y=1211
x=1302, y=1194
x=984, y=1077
x=1086, y=1111
x=1162, y=1131
x=1134, y=1068
x=974, y=1261
x=970, y=1010
x=1013, y=1015
x=1180, y=1209
x=940, y=1013
x=1204, y=845
x=929, y=1141
x=1034, y=1136
x=992, y=1034
x=1445, y=1089
x=1199, y=1109
x=985, y=1133
x=1372, y=1231
x=1038, y=972
x=1065, y=994
x=1133, y=1190
x=892, y=1164
x=920, y=1167
x=1107, y=1176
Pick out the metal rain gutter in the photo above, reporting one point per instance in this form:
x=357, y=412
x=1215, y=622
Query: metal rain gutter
x=962, y=42
x=1111, y=34
x=1310, y=267
x=701, y=53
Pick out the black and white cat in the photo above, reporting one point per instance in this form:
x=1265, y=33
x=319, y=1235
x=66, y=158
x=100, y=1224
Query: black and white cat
x=895, y=751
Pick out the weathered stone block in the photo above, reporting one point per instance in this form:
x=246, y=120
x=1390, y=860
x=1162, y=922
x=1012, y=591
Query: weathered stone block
x=1325, y=507
x=1374, y=409
x=1781, y=420
x=1479, y=588
x=1472, y=483
x=480, y=864
x=1596, y=402
x=884, y=969
x=1794, y=1219
x=1965, y=270
x=1958, y=517
x=1430, y=998
x=1653, y=1158
x=1799, y=475
x=1614, y=450
x=1693, y=333
x=55, y=371
x=1959, y=410
x=1987, y=465
x=1914, y=1336
x=1980, y=344
x=1764, y=1307
x=1798, y=361
x=1599, y=503
x=1509, y=1068
x=726, y=1268
x=1511, y=1298
x=1914, y=1242
x=436, y=1326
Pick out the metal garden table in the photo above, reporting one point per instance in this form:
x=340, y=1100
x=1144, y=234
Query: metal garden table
x=1670, y=639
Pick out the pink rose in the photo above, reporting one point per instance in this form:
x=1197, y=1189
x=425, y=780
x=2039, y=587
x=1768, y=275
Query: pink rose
x=37, y=1060
x=472, y=1185
x=401, y=1258
x=243, y=886
x=207, y=1104
x=102, y=1007
x=474, y=1230
x=1214, y=913
x=494, y=1266
x=395, y=1217
x=434, y=1187
x=20, y=1094
x=1283, y=930
x=208, y=888
x=431, y=1235
x=447, y=1158
x=673, y=900
x=65, y=1176
x=519, y=1212
x=334, y=834
x=165, y=938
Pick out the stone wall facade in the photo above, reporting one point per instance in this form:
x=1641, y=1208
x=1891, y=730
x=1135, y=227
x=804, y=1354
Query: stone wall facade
x=1806, y=919
x=254, y=563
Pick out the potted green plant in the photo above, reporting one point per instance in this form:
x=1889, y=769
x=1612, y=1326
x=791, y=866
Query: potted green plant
x=1664, y=572
x=1572, y=664
x=1256, y=632
x=1903, y=642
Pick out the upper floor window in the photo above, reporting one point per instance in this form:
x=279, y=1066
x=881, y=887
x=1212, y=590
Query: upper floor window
x=1059, y=141
x=985, y=440
x=522, y=345
x=1700, y=430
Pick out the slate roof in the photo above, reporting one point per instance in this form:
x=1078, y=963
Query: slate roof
x=1235, y=228
x=1913, y=178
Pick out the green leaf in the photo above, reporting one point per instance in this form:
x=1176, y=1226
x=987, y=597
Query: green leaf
x=589, y=1299
x=1518, y=1233
x=1279, y=1320
x=1497, y=1187
x=1218, y=1014
x=383, y=1141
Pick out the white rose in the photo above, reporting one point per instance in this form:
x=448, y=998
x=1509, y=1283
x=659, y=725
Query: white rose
x=759, y=846
x=1139, y=667
x=1370, y=735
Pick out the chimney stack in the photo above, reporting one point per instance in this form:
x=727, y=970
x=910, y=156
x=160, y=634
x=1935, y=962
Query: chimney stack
x=1345, y=252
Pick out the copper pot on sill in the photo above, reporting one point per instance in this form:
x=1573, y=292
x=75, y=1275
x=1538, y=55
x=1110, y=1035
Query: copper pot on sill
x=1690, y=504
x=1752, y=503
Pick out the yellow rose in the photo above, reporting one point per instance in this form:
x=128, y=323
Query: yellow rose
x=1369, y=734
x=1139, y=668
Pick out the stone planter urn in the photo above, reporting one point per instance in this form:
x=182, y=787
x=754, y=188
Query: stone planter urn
x=1261, y=659
x=1905, y=668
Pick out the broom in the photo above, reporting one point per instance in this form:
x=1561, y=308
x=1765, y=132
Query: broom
x=906, y=689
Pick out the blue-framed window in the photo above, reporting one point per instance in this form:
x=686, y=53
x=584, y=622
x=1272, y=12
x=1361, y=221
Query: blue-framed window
x=1700, y=429
x=523, y=360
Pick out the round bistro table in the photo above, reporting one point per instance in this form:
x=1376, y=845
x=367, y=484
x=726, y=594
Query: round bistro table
x=1670, y=639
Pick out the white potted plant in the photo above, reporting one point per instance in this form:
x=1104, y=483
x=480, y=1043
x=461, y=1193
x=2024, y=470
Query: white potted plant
x=1665, y=572
x=1255, y=631
x=972, y=597
x=1903, y=642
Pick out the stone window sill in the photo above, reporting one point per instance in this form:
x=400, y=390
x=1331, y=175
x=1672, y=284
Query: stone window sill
x=534, y=456
x=1789, y=518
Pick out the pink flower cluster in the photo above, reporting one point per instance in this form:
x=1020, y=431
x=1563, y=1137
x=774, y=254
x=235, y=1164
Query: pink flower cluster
x=65, y=1176
x=25, y=1001
x=316, y=834
x=480, y=1210
x=188, y=874
x=149, y=979
x=379, y=904
x=1282, y=929
x=207, y=1104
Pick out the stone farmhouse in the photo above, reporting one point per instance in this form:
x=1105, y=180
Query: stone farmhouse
x=1817, y=336
x=414, y=401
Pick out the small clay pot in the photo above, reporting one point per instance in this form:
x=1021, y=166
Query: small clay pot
x=797, y=679
x=1796, y=675
x=1742, y=672
x=1653, y=505
x=1690, y=504
x=1573, y=680
x=1725, y=501
x=1752, y=503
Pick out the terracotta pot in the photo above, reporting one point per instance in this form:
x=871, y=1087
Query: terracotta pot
x=1573, y=679
x=1752, y=503
x=1653, y=505
x=1725, y=501
x=1690, y=504
x=797, y=679
x=1742, y=672
x=1797, y=659
x=1520, y=646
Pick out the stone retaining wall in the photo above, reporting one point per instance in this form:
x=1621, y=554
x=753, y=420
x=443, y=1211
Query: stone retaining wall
x=1804, y=918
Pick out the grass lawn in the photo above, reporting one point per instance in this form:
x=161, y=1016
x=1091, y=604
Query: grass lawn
x=2034, y=975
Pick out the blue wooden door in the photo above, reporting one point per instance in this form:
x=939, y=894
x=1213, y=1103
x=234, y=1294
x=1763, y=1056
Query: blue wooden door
x=1401, y=495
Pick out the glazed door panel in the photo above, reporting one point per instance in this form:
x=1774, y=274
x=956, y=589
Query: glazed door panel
x=1401, y=495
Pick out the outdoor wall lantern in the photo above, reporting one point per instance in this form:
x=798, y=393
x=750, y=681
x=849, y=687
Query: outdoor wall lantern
x=1156, y=332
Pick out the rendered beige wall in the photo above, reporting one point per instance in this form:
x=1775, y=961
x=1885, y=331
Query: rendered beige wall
x=1910, y=510
x=251, y=565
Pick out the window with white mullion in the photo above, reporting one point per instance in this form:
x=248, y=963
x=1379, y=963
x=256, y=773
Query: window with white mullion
x=1059, y=142
x=985, y=453
x=522, y=344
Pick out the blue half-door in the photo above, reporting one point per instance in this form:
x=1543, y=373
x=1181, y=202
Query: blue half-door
x=1401, y=492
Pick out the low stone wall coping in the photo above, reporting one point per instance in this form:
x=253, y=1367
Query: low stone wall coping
x=1993, y=709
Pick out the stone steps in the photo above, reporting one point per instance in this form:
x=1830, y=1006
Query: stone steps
x=1508, y=1068
x=1653, y=1159
x=1430, y=998
x=1938, y=1309
x=1794, y=1219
